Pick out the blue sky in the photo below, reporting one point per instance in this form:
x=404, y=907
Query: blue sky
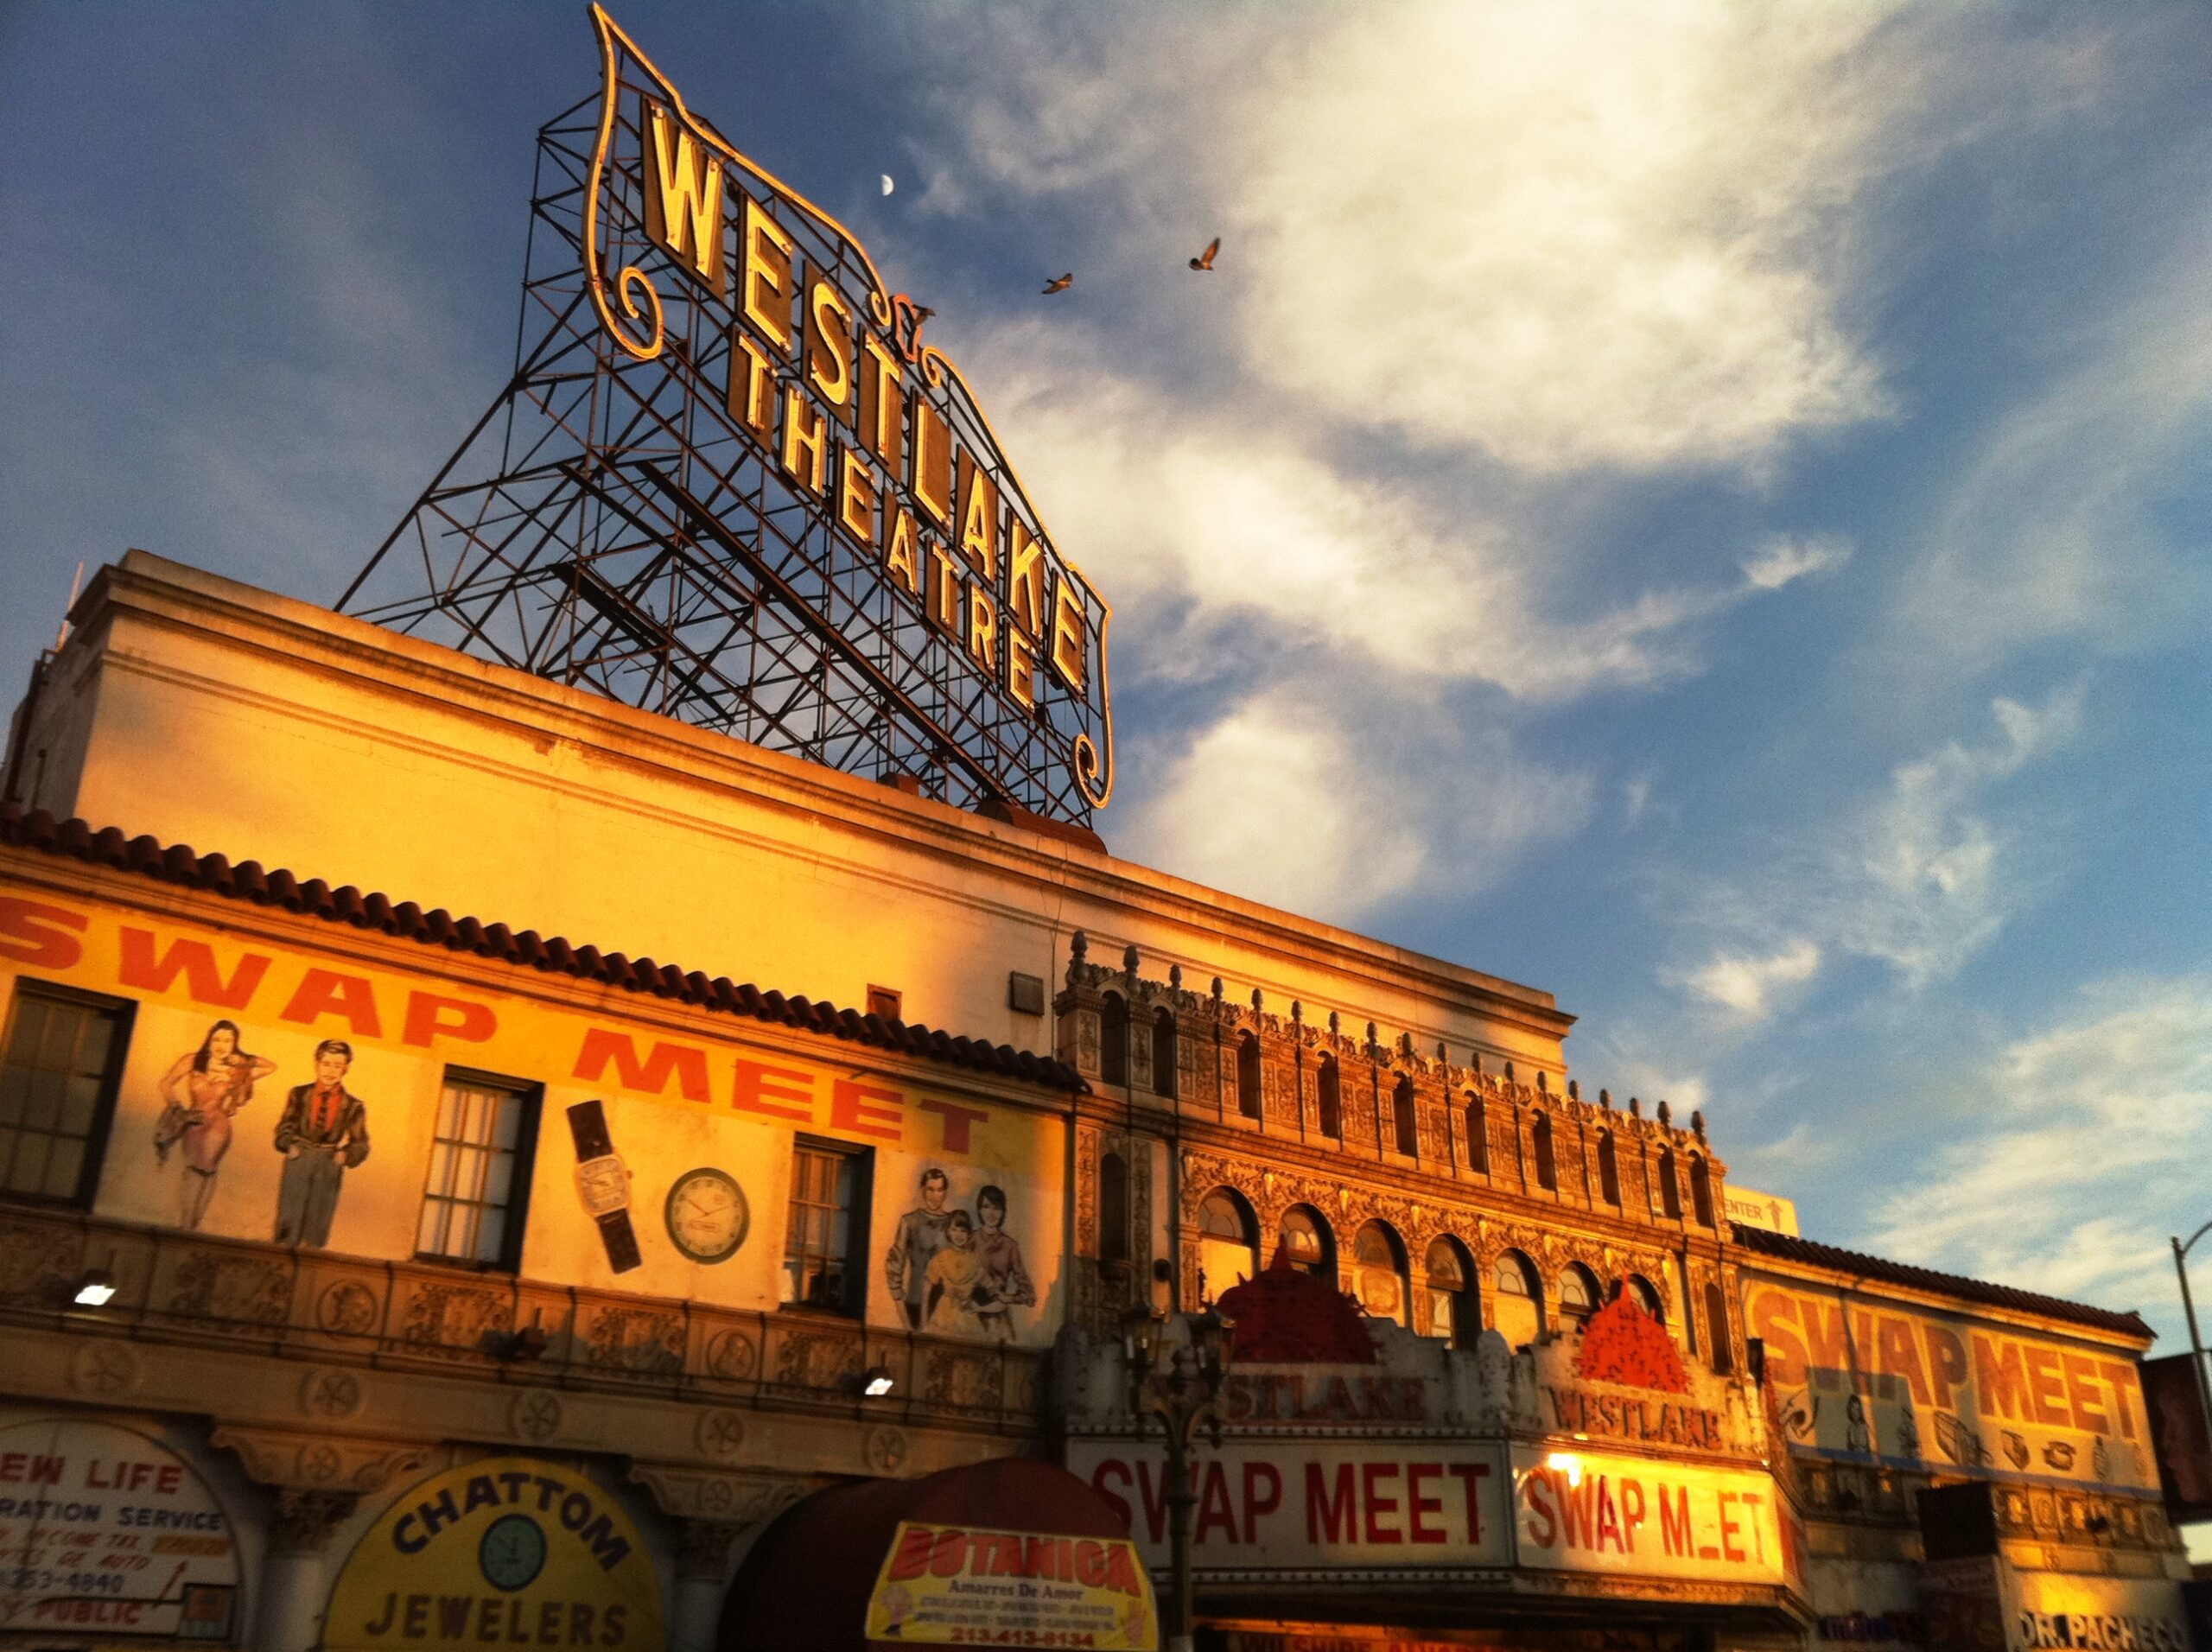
x=1699, y=507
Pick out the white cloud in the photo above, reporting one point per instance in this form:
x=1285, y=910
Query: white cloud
x=2084, y=1147
x=1301, y=806
x=1746, y=988
x=1782, y=560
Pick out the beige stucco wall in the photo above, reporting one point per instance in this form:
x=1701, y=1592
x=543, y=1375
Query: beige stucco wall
x=215, y=714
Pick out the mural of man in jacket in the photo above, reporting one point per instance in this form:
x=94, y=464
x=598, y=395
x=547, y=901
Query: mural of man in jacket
x=323, y=1134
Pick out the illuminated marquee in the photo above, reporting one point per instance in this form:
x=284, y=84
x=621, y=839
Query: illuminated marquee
x=731, y=483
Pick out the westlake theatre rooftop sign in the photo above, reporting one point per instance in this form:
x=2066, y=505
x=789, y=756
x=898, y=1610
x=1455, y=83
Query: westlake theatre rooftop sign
x=730, y=482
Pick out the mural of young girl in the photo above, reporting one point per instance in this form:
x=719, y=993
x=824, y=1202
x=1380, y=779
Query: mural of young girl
x=1008, y=1280
x=954, y=1287
x=204, y=1089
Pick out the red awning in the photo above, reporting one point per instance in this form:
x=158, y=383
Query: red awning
x=804, y=1587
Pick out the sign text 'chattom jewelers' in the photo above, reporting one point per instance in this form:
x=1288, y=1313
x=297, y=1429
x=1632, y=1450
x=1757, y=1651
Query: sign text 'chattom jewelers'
x=1276, y=1505
x=778, y=326
x=954, y=1586
x=106, y=1535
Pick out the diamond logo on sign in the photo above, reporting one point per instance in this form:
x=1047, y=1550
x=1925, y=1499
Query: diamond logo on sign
x=731, y=482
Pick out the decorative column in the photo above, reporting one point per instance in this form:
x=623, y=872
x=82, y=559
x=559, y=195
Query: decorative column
x=702, y=1578
x=296, y=1572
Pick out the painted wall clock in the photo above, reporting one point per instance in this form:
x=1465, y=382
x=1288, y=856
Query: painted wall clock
x=707, y=1214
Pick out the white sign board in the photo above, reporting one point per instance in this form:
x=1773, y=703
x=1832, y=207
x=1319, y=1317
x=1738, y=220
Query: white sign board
x=107, y=1535
x=1288, y=1504
x=1637, y=1516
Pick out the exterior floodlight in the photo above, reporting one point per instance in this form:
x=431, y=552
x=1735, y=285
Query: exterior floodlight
x=878, y=1383
x=1566, y=1463
x=96, y=1289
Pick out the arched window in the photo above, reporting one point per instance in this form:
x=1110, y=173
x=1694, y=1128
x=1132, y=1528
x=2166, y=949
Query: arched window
x=1113, y=1208
x=1329, y=1093
x=1578, y=1295
x=1515, y=1312
x=1720, y=1347
x=1306, y=1241
x=1402, y=1117
x=1700, y=1191
x=1454, y=1313
x=1228, y=1243
x=1163, y=1052
x=1114, y=1040
x=1546, y=1164
x=1247, y=1075
x=1609, y=1168
x=1670, y=1195
x=1646, y=1296
x=1477, y=1135
x=1378, y=1258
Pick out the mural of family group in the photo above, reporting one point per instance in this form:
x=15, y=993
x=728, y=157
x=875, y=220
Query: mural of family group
x=955, y=1273
x=322, y=1130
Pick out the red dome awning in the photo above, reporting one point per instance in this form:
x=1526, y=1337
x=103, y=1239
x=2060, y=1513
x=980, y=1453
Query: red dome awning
x=805, y=1586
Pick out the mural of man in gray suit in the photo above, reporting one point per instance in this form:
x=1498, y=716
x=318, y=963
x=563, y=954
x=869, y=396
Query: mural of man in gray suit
x=323, y=1134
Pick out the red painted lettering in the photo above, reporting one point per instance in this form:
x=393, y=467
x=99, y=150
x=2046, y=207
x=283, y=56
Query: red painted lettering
x=2047, y=1385
x=1214, y=1507
x=1470, y=1476
x=2081, y=1394
x=1946, y=1362
x=1417, y=1530
x=849, y=1109
x=326, y=992
x=651, y=1074
x=1729, y=1526
x=429, y=1015
x=1255, y=1473
x=1331, y=1512
x=195, y=962
x=1378, y=1505
x=1674, y=1522
x=756, y=1084
x=958, y=1121
x=35, y=933
x=2000, y=1383
x=1900, y=1352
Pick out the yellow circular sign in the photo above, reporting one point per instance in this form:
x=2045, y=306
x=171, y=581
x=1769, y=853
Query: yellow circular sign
x=513, y=1551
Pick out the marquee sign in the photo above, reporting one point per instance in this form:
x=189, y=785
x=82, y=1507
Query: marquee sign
x=731, y=482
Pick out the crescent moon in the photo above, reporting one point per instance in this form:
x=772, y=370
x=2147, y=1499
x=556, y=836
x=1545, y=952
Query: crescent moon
x=887, y=184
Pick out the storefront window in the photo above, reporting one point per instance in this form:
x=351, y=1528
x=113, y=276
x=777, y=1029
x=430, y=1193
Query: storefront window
x=1379, y=1270
x=1518, y=1316
x=1306, y=1240
x=1228, y=1244
x=1451, y=1311
x=479, y=1185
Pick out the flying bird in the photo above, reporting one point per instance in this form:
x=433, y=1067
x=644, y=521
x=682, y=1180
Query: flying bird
x=1204, y=260
x=1060, y=284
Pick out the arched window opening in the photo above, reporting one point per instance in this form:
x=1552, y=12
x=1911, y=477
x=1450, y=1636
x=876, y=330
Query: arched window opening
x=1328, y=1092
x=1306, y=1241
x=1719, y=1346
x=1114, y=1040
x=1578, y=1295
x=1402, y=1117
x=1477, y=1136
x=1516, y=1313
x=1379, y=1273
x=1609, y=1168
x=1646, y=1296
x=1247, y=1075
x=1113, y=1208
x=1228, y=1243
x=1547, y=1163
x=1670, y=1195
x=1453, y=1312
x=1164, y=1072
x=1700, y=1191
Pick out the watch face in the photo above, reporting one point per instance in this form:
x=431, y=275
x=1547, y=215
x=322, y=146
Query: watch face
x=603, y=1185
x=512, y=1552
x=707, y=1215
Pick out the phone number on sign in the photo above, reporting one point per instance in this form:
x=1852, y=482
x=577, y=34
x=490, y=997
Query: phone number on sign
x=1029, y=1637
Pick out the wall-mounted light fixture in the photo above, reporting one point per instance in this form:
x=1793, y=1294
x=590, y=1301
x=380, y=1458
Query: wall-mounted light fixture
x=96, y=1289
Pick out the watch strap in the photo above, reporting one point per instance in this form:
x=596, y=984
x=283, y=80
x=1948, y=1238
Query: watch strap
x=620, y=1240
x=587, y=1124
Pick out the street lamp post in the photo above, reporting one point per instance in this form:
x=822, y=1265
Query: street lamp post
x=1179, y=1382
x=2189, y=1311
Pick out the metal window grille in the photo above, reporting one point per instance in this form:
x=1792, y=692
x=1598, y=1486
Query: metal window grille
x=479, y=1171
x=818, y=1240
x=57, y=1084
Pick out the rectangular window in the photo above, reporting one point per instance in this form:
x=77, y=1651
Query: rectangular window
x=825, y=1238
x=479, y=1188
x=60, y=1063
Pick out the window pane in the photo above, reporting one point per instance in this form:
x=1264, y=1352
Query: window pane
x=476, y=1173
x=52, y=1091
